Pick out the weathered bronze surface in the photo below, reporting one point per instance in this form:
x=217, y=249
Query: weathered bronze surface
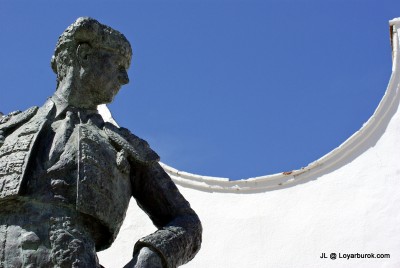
x=66, y=176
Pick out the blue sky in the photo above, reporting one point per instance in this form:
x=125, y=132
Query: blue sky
x=221, y=88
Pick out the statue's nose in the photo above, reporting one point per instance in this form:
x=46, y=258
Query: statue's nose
x=123, y=77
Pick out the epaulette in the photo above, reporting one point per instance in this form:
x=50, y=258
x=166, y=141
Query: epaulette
x=7, y=117
x=136, y=148
x=14, y=119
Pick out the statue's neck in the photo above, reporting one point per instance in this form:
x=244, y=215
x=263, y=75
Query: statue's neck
x=71, y=91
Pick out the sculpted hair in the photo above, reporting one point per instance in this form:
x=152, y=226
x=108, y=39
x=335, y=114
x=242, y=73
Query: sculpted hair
x=89, y=31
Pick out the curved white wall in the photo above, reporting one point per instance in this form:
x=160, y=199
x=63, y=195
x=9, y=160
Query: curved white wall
x=346, y=202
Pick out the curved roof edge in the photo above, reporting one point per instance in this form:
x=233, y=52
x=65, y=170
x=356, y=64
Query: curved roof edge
x=333, y=160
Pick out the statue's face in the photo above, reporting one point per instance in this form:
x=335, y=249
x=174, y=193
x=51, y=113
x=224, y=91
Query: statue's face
x=102, y=75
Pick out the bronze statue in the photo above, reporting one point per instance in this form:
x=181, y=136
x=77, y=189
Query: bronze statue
x=66, y=176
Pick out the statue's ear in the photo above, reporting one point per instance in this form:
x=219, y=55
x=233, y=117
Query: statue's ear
x=82, y=53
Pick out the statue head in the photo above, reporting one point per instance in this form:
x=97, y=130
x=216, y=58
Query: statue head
x=91, y=62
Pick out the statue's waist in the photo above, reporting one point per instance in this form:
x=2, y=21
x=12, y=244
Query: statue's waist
x=28, y=213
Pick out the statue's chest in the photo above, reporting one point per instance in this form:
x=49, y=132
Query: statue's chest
x=103, y=184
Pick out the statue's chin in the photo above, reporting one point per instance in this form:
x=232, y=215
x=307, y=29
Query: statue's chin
x=105, y=99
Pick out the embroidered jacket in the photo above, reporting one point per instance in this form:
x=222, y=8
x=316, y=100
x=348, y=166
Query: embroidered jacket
x=112, y=165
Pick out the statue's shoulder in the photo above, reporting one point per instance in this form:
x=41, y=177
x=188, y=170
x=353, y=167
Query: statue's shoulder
x=15, y=119
x=136, y=148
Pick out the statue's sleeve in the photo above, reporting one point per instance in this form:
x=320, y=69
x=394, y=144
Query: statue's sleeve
x=179, y=232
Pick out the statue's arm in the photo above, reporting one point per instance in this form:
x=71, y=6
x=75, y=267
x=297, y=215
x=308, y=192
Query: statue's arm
x=179, y=232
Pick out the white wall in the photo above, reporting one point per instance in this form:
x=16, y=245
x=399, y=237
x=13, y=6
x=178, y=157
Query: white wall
x=346, y=202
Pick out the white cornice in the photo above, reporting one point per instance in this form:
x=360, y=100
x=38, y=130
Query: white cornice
x=354, y=146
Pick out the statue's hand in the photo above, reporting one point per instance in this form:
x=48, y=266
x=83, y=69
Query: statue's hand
x=145, y=258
